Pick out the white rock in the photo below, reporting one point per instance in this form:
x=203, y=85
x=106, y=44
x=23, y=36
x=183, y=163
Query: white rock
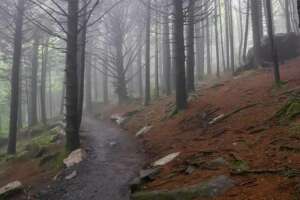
x=71, y=176
x=143, y=131
x=75, y=157
x=118, y=118
x=165, y=160
x=10, y=187
x=216, y=119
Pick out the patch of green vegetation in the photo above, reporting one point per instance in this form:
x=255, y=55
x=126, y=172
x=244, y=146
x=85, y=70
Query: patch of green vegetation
x=53, y=161
x=239, y=165
x=294, y=129
x=290, y=110
x=280, y=85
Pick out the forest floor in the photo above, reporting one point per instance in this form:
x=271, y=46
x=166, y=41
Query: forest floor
x=263, y=152
x=113, y=161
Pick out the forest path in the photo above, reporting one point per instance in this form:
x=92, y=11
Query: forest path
x=113, y=161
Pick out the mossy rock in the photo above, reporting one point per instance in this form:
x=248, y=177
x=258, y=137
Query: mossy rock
x=205, y=190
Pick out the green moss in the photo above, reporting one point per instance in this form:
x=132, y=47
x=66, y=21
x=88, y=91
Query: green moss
x=290, y=110
x=239, y=165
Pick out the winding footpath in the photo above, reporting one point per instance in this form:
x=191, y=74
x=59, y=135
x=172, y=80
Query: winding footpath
x=113, y=161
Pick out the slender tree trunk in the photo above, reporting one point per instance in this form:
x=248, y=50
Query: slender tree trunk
x=166, y=54
x=20, y=108
x=256, y=30
x=217, y=39
x=221, y=35
x=147, y=56
x=181, y=96
x=81, y=58
x=88, y=87
x=43, y=81
x=231, y=25
x=246, y=31
x=273, y=43
x=190, y=48
x=14, y=104
x=208, y=42
x=72, y=126
x=241, y=32
x=227, y=30
x=105, y=82
x=287, y=16
x=140, y=73
x=156, y=56
x=34, y=74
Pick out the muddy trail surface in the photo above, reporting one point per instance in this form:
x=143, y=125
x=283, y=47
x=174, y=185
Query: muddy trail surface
x=112, y=163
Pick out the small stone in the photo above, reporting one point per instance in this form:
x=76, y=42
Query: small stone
x=165, y=160
x=75, y=157
x=71, y=176
x=190, y=169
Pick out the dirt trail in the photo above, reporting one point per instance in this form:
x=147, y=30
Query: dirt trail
x=113, y=161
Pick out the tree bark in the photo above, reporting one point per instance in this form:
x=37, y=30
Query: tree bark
x=18, y=37
x=190, y=48
x=181, y=96
x=166, y=54
x=272, y=42
x=147, y=56
x=72, y=126
x=34, y=74
x=256, y=31
x=43, y=81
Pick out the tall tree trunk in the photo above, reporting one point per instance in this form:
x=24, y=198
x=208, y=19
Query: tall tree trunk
x=287, y=16
x=227, y=31
x=231, y=25
x=34, y=74
x=105, y=82
x=88, y=84
x=140, y=73
x=241, y=32
x=156, y=55
x=217, y=38
x=147, y=56
x=190, y=48
x=181, y=96
x=272, y=42
x=256, y=30
x=246, y=31
x=72, y=126
x=81, y=58
x=221, y=35
x=18, y=36
x=166, y=54
x=208, y=42
x=43, y=81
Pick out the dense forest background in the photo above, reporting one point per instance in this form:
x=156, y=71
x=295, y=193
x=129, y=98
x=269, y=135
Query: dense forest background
x=125, y=50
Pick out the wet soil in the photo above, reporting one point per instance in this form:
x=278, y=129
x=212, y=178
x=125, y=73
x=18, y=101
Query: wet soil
x=113, y=161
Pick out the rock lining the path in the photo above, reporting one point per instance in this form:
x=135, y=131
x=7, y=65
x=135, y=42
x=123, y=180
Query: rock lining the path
x=10, y=188
x=75, y=157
